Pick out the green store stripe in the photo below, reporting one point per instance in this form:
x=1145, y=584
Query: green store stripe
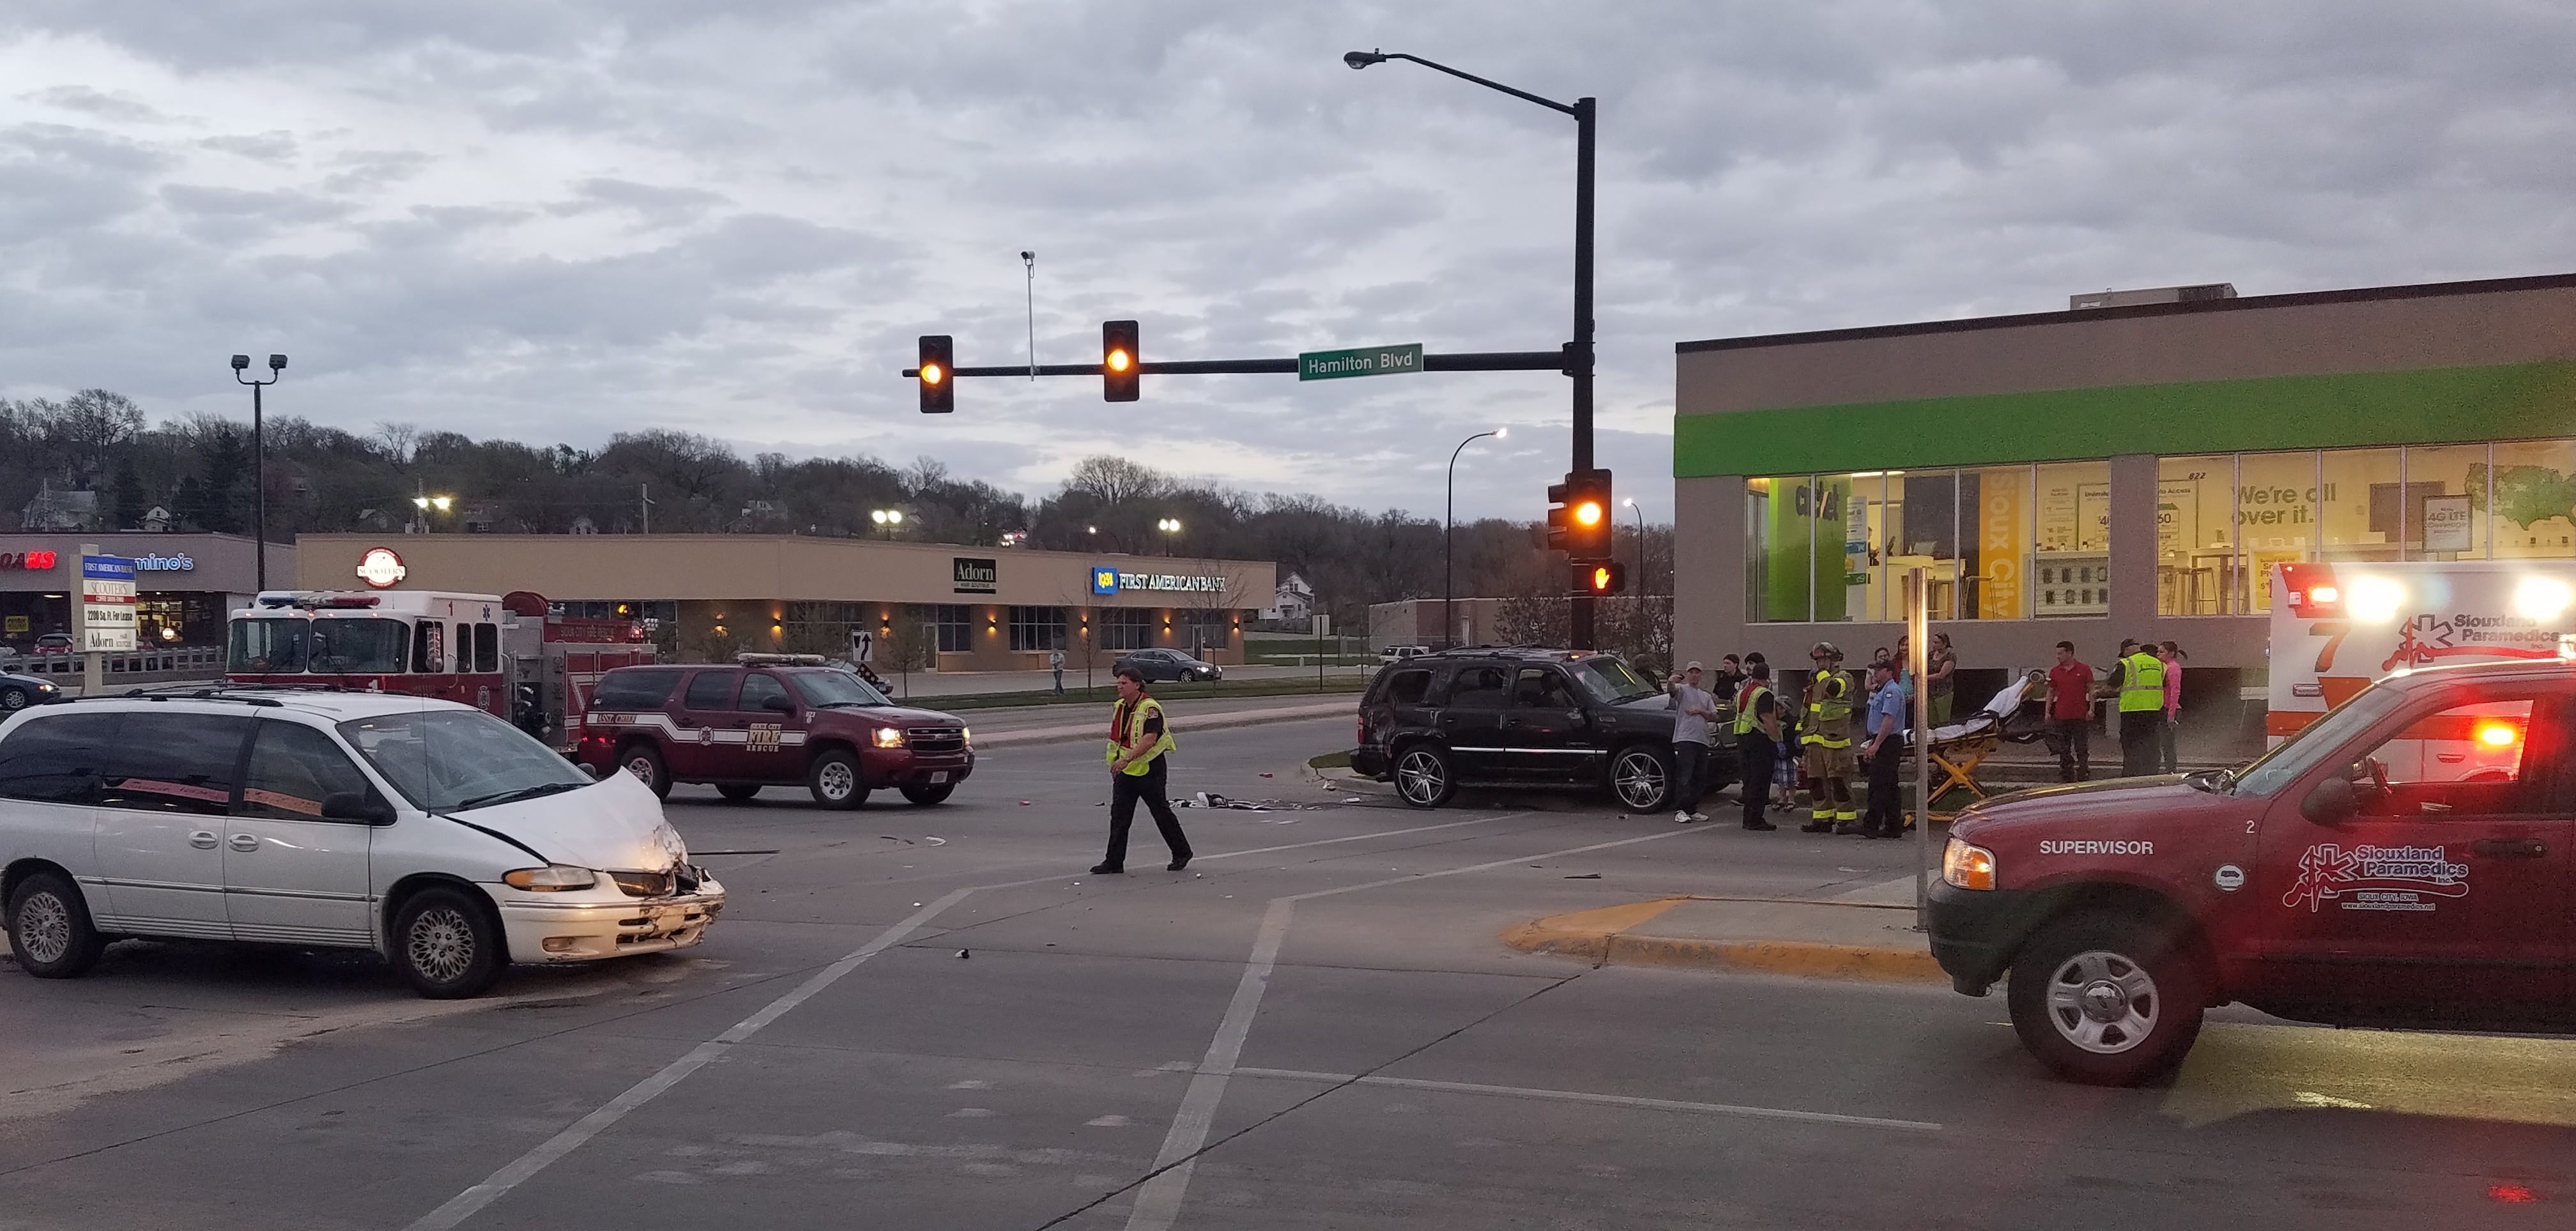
x=2423, y=406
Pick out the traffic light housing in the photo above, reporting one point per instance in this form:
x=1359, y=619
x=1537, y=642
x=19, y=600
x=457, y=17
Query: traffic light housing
x=1600, y=577
x=938, y=374
x=1119, y=361
x=1578, y=516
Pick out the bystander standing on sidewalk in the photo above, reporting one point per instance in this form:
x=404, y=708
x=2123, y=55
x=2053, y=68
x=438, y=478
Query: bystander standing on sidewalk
x=1941, y=667
x=2070, y=714
x=1138, y=740
x=1728, y=677
x=1757, y=738
x=1885, y=753
x=2171, y=654
x=1055, y=663
x=1693, y=709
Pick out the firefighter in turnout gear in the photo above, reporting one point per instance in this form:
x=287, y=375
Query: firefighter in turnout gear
x=1827, y=751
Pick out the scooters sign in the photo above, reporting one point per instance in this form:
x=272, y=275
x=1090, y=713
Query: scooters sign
x=2393, y=878
x=381, y=568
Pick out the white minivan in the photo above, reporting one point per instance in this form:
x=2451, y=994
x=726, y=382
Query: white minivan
x=428, y=831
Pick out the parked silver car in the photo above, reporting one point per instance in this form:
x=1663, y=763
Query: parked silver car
x=428, y=831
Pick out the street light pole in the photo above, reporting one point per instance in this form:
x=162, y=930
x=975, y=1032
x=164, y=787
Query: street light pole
x=1448, y=544
x=1643, y=586
x=1578, y=353
x=258, y=463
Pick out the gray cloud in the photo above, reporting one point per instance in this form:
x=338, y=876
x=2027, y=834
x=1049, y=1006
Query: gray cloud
x=561, y=221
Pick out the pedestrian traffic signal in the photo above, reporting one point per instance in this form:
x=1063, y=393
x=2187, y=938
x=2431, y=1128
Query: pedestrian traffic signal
x=1578, y=519
x=938, y=374
x=1119, y=360
x=1601, y=577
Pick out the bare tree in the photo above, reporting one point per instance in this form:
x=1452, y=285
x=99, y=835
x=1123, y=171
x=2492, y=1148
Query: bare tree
x=396, y=439
x=1116, y=480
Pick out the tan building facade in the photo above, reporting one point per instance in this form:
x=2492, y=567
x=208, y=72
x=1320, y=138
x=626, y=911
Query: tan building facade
x=2095, y=474
x=960, y=608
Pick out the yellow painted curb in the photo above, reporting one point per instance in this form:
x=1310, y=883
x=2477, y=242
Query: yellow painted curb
x=1601, y=938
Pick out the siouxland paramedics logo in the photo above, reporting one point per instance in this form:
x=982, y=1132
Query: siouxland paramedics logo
x=2398, y=878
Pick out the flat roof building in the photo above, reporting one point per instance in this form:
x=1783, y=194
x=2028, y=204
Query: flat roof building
x=2114, y=471
x=977, y=608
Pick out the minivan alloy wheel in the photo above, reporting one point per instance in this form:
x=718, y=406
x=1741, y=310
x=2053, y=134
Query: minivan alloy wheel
x=441, y=943
x=2103, y=1002
x=45, y=927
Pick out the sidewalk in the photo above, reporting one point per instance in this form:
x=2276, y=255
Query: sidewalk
x=1864, y=934
x=1091, y=726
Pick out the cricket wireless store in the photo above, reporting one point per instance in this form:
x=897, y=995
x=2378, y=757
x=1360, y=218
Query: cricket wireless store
x=2114, y=472
x=185, y=584
x=966, y=608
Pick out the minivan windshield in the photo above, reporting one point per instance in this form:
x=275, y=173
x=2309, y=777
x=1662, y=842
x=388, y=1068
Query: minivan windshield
x=2317, y=741
x=1609, y=680
x=835, y=690
x=451, y=760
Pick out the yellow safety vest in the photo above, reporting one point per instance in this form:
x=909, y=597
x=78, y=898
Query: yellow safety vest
x=1750, y=701
x=2142, y=683
x=1119, y=740
x=1829, y=714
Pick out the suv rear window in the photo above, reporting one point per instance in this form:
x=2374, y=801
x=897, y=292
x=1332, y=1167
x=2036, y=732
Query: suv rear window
x=1406, y=687
x=710, y=690
x=647, y=688
x=1481, y=687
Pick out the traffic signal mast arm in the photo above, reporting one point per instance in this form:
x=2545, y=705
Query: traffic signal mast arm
x=1474, y=361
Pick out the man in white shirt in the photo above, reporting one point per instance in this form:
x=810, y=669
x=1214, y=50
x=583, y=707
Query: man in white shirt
x=1693, y=709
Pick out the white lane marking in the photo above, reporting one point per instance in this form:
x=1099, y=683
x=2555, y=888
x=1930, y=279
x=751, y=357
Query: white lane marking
x=1158, y=1203
x=466, y=1204
x=1607, y=1100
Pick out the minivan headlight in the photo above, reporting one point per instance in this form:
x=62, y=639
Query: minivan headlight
x=889, y=737
x=552, y=878
x=1967, y=867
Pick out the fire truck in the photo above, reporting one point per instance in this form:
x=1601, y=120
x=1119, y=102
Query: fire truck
x=503, y=654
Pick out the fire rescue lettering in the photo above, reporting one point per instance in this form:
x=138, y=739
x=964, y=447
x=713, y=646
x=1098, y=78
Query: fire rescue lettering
x=2097, y=848
x=2392, y=878
x=764, y=737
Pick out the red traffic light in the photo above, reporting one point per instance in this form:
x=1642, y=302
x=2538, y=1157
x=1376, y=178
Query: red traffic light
x=1120, y=357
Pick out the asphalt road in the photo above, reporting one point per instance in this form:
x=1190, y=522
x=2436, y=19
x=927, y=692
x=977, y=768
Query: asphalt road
x=1313, y=1026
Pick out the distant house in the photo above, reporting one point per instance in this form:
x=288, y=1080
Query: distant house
x=1293, y=601
x=157, y=520
x=584, y=525
x=60, y=511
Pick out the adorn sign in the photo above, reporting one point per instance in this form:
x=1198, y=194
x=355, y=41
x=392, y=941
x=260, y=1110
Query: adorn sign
x=969, y=576
x=381, y=569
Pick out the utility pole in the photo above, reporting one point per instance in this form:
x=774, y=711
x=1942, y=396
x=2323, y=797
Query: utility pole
x=644, y=501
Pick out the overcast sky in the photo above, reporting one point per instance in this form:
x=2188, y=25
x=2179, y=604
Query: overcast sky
x=558, y=220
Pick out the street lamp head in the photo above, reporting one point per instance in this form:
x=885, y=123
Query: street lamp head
x=277, y=363
x=1362, y=59
x=1501, y=432
x=1628, y=501
x=443, y=502
x=420, y=502
x=1027, y=255
x=241, y=363
x=894, y=517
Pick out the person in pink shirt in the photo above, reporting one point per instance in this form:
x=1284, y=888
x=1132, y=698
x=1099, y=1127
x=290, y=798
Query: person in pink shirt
x=2172, y=656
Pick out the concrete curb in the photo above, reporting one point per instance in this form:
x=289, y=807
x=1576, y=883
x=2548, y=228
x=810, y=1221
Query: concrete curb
x=1602, y=938
x=1182, y=725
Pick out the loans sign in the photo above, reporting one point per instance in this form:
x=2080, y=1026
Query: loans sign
x=1365, y=361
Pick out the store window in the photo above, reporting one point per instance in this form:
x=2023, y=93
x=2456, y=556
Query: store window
x=1779, y=556
x=1126, y=628
x=1994, y=533
x=2533, y=485
x=1037, y=628
x=1926, y=537
x=2071, y=551
x=2445, y=493
x=956, y=625
x=1869, y=527
x=1202, y=629
x=2353, y=523
x=2277, y=504
x=2196, y=535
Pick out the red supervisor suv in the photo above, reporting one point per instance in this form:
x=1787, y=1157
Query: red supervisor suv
x=2405, y=859
x=774, y=719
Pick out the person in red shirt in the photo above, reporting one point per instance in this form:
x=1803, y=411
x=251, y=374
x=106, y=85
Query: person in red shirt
x=2070, y=714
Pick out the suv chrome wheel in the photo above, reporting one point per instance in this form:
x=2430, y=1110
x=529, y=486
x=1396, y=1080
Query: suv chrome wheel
x=1640, y=781
x=2103, y=1002
x=1422, y=777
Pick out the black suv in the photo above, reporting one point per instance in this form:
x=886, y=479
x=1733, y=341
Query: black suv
x=1523, y=717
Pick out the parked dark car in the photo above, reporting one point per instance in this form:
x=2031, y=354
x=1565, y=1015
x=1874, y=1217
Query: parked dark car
x=1161, y=665
x=1522, y=717
x=17, y=692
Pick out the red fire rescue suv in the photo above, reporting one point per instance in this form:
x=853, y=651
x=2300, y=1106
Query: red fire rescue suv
x=2405, y=857
x=501, y=654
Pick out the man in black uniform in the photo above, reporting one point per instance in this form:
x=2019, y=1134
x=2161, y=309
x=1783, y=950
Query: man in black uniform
x=1138, y=738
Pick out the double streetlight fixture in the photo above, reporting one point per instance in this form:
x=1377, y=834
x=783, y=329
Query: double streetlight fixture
x=887, y=520
x=1449, y=534
x=258, y=461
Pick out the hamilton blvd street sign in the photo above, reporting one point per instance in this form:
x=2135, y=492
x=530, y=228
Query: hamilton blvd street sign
x=1365, y=361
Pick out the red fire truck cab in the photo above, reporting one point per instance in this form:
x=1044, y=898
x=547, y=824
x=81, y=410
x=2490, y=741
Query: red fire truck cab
x=502, y=654
x=2405, y=859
